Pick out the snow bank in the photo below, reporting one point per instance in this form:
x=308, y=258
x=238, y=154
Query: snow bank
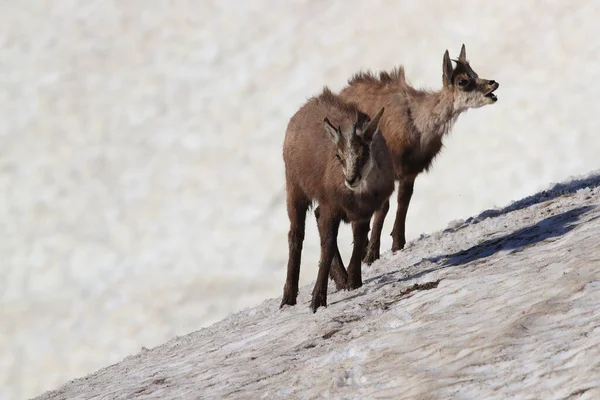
x=502, y=305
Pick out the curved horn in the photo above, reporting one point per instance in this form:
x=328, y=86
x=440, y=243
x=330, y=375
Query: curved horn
x=373, y=125
x=447, y=69
x=463, y=53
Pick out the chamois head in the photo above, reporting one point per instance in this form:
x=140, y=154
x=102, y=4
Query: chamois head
x=469, y=90
x=353, y=148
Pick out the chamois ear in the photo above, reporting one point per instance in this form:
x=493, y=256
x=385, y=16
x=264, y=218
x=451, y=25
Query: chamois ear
x=447, y=69
x=373, y=126
x=332, y=132
x=463, y=54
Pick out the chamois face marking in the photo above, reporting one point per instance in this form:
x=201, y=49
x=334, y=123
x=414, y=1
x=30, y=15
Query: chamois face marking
x=469, y=90
x=353, y=150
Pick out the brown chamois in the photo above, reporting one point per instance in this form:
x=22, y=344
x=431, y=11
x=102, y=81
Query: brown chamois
x=413, y=126
x=334, y=155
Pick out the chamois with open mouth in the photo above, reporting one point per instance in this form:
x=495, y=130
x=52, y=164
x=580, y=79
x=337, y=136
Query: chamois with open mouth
x=413, y=126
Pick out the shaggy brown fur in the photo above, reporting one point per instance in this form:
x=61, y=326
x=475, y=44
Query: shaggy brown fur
x=333, y=155
x=414, y=124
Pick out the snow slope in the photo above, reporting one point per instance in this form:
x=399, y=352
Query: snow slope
x=503, y=305
x=140, y=150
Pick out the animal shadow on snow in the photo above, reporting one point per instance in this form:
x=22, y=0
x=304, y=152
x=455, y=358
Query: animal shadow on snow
x=551, y=227
x=557, y=190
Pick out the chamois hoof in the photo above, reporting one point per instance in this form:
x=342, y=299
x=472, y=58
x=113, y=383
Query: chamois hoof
x=318, y=300
x=397, y=246
x=340, y=278
x=287, y=302
x=371, y=256
x=288, y=299
x=352, y=285
x=340, y=283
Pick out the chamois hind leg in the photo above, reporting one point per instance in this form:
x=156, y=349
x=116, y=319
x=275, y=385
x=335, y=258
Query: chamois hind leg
x=297, y=205
x=372, y=250
x=360, y=230
x=329, y=224
x=337, y=272
x=405, y=191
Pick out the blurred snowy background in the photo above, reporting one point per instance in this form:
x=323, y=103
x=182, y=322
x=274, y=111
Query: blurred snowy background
x=140, y=150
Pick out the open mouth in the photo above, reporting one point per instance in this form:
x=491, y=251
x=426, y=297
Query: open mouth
x=490, y=95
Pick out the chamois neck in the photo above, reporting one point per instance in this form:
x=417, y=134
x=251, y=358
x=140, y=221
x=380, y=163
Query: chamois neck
x=433, y=113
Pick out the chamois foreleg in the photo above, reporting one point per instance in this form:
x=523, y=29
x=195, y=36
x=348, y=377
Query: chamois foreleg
x=297, y=205
x=372, y=250
x=405, y=191
x=360, y=230
x=337, y=272
x=328, y=224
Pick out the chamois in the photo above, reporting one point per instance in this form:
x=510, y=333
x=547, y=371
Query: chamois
x=334, y=155
x=414, y=125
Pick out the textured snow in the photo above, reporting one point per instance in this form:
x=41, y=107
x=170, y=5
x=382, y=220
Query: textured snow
x=503, y=305
x=140, y=150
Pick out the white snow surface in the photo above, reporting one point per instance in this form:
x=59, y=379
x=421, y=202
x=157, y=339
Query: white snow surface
x=140, y=150
x=514, y=315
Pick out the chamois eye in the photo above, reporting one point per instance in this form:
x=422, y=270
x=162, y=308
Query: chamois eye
x=463, y=82
x=338, y=157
